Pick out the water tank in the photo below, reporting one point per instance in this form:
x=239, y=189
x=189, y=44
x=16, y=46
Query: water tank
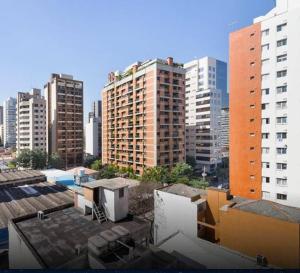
x=81, y=172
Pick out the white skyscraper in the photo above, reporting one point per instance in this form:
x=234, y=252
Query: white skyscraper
x=92, y=136
x=31, y=121
x=265, y=106
x=9, y=122
x=206, y=93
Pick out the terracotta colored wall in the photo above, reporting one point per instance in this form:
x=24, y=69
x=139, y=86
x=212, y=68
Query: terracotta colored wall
x=244, y=92
x=253, y=234
x=88, y=194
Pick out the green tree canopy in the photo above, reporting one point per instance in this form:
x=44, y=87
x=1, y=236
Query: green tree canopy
x=191, y=160
x=38, y=159
x=55, y=161
x=181, y=170
x=156, y=174
x=24, y=159
x=96, y=165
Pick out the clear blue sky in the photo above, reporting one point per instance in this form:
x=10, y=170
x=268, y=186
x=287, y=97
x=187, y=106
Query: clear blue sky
x=89, y=38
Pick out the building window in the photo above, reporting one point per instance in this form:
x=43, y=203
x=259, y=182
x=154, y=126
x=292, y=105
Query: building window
x=265, y=47
x=281, y=166
x=121, y=193
x=282, y=42
x=281, y=27
x=266, y=195
x=281, y=89
x=281, y=196
x=266, y=179
x=265, y=32
x=281, y=181
x=265, y=165
x=281, y=58
x=265, y=91
x=265, y=150
x=281, y=151
x=265, y=106
x=265, y=135
x=281, y=120
x=265, y=62
x=265, y=76
x=281, y=73
x=281, y=105
x=280, y=136
x=265, y=121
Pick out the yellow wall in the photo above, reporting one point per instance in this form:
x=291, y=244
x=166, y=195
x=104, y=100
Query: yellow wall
x=254, y=234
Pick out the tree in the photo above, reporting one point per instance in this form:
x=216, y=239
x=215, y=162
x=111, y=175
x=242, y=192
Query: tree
x=156, y=174
x=24, y=159
x=190, y=160
x=181, y=170
x=55, y=161
x=12, y=164
x=38, y=159
x=108, y=171
x=201, y=184
x=96, y=165
x=89, y=160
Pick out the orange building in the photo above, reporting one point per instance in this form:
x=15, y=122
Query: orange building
x=144, y=115
x=257, y=228
x=245, y=112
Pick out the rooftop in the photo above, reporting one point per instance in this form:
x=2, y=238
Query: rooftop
x=206, y=254
x=183, y=190
x=268, y=208
x=12, y=177
x=75, y=171
x=16, y=201
x=54, y=239
x=111, y=184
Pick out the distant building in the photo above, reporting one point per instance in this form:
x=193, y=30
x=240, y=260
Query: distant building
x=1, y=115
x=31, y=121
x=9, y=122
x=1, y=134
x=143, y=115
x=92, y=137
x=265, y=106
x=64, y=104
x=224, y=132
x=93, y=130
x=206, y=94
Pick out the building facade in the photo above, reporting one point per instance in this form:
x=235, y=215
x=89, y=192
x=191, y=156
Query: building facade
x=93, y=137
x=31, y=121
x=224, y=132
x=1, y=115
x=64, y=105
x=264, y=106
x=143, y=115
x=206, y=93
x=9, y=122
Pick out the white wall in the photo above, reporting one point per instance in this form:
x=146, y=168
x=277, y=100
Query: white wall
x=172, y=213
x=91, y=137
x=20, y=257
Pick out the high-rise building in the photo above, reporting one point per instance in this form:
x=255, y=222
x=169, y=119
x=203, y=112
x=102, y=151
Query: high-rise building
x=1, y=115
x=95, y=116
x=206, y=92
x=64, y=105
x=9, y=122
x=31, y=121
x=143, y=115
x=264, y=106
x=224, y=132
x=92, y=136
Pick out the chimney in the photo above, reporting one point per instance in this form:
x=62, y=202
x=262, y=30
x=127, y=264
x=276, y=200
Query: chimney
x=170, y=61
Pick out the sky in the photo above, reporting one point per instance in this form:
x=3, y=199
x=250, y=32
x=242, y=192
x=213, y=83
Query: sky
x=90, y=38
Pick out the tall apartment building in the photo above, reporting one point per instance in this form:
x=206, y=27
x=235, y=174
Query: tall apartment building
x=143, y=115
x=31, y=121
x=1, y=115
x=206, y=93
x=64, y=105
x=93, y=137
x=264, y=106
x=9, y=122
x=224, y=131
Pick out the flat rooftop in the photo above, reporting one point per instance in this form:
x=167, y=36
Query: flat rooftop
x=54, y=238
x=11, y=177
x=87, y=171
x=22, y=200
x=111, y=184
x=206, y=254
x=183, y=190
x=268, y=208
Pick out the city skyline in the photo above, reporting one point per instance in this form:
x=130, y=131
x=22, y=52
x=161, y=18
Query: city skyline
x=31, y=51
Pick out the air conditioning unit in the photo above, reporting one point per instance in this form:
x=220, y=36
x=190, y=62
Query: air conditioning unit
x=40, y=215
x=261, y=260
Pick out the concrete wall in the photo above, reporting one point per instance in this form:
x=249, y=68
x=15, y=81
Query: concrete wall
x=20, y=256
x=172, y=213
x=254, y=234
